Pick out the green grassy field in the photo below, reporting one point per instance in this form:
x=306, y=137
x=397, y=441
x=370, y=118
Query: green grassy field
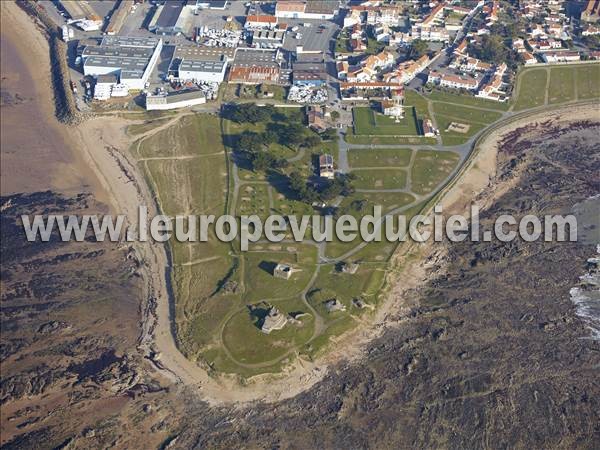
x=146, y=126
x=532, y=89
x=431, y=168
x=379, y=178
x=379, y=157
x=253, y=199
x=249, y=345
x=351, y=138
x=588, y=81
x=467, y=100
x=189, y=172
x=188, y=136
x=260, y=261
x=420, y=103
x=453, y=137
x=369, y=122
x=466, y=114
x=562, y=85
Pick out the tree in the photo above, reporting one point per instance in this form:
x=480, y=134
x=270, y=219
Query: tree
x=492, y=49
x=269, y=137
x=249, y=112
x=335, y=116
x=418, y=49
x=249, y=142
x=329, y=135
x=292, y=135
x=311, y=141
x=341, y=185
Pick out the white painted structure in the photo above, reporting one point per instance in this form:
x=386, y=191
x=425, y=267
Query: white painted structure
x=174, y=101
x=133, y=71
x=202, y=71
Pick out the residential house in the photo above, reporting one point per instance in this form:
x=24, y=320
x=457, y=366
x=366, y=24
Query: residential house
x=326, y=168
x=564, y=56
x=316, y=118
x=452, y=81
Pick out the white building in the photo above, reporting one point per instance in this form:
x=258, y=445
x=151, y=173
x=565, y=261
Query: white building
x=174, y=101
x=318, y=10
x=202, y=71
x=552, y=57
x=132, y=59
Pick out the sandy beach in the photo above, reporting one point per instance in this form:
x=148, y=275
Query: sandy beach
x=30, y=130
x=101, y=163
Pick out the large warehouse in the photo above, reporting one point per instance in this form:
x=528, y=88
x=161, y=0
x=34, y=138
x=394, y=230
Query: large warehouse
x=200, y=64
x=172, y=18
x=132, y=59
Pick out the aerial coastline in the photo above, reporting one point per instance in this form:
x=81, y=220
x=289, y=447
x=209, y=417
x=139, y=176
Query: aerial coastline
x=103, y=143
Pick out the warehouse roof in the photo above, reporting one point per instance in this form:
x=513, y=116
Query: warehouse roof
x=117, y=63
x=203, y=53
x=322, y=7
x=130, y=41
x=123, y=52
x=202, y=66
x=254, y=57
x=169, y=14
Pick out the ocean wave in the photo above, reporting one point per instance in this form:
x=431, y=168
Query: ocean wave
x=586, y=296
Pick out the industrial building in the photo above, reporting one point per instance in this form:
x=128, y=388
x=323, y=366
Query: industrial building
x=118, y=17
x=268, y=38
x=206, y=71
x=321, y=10
x=309, y=70
x=132, y=59
x=256, y=66
x=172, y=18
x=79, y=10
x=200, y=64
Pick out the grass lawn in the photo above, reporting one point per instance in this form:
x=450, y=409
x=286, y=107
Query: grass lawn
x=189, y=186
x=532, y=89
x=369, y=122
x=361, y=204
x=413, y=98
x=148, y=125
x=380, y=178
x=431, y=168
x=562, y=85
x=249, y=345
x=352, y=138
x=262, y=259
x=465, y=114
x=467, y=100
x=196, y=134
x=393, y=157
x=253, y=199
x=453, y=137
x=365, y=283
x=588, y=81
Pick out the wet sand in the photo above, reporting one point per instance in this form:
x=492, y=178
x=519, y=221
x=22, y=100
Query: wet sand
x=37, y=152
